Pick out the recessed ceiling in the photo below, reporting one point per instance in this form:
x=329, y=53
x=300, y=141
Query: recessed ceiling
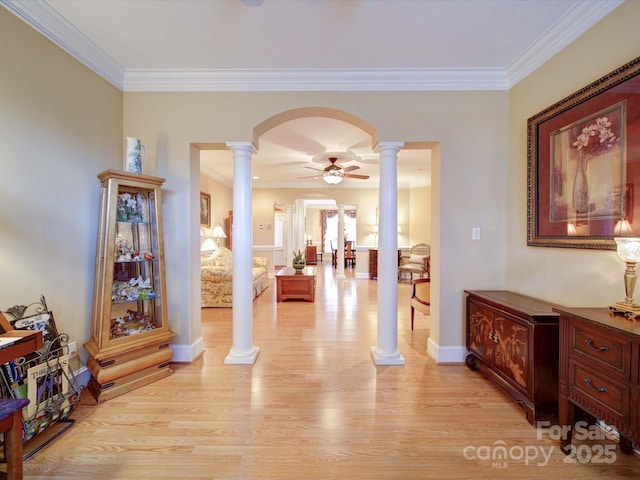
x=286, y=150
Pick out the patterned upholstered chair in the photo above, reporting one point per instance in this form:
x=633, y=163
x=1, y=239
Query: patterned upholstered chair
x=418, y=261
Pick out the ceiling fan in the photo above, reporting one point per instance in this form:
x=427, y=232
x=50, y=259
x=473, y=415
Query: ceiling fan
x=334, y=174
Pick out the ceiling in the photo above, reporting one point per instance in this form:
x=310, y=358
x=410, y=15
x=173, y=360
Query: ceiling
x=304, y=45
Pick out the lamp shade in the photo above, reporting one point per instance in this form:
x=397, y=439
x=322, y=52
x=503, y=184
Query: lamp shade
x=623, y=227
x=628, y=249
x=218, y=232
x=332, y=177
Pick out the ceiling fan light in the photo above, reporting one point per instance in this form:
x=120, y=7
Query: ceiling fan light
x=332, y=177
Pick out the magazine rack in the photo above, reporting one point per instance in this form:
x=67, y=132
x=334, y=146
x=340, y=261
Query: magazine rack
x=45, y=376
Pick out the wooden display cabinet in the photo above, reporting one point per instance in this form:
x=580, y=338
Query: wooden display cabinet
x=129, y=345
x=512, y=339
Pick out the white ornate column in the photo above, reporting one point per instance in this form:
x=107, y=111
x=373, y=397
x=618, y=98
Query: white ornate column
x=243, y=351
x=299, y=240
x=340, y=252
x=386, y=351
x=288, y=247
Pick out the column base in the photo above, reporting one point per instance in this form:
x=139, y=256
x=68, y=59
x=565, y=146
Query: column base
x=380, y=358
x=247, y=357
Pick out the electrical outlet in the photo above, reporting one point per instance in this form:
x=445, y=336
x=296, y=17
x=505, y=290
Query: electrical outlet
x=475, y=233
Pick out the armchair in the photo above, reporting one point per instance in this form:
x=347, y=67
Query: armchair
x=421, y=297
x=418, y=262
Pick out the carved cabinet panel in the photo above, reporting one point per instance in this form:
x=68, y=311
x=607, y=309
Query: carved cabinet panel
x=513, y=340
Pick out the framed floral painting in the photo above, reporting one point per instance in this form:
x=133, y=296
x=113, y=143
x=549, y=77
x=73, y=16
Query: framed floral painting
x=583, y=165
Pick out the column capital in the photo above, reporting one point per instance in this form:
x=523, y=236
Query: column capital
x=242, y=146
x=387, y=147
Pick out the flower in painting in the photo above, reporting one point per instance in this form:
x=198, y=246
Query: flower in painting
x=601, y=129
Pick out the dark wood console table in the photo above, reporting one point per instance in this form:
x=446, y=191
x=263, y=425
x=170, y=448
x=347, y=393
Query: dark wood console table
x=599, y=371
x=512, y=339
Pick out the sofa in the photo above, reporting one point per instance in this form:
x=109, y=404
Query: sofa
x=216, y=278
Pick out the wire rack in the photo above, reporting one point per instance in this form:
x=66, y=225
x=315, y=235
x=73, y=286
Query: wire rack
x=46, y=377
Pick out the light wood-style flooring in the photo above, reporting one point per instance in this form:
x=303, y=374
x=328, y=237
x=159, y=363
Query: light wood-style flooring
x=314, y=406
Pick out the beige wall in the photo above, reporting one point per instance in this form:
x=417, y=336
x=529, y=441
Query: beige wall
x=572, y=277
x=419, y=224
x=60, y=125
x=364, y=199
x=221, y=203
x=58, y=133
x=469, y=126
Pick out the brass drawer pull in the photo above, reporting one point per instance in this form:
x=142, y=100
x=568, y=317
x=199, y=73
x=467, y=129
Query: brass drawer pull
x=590, y=385
x=589, y=343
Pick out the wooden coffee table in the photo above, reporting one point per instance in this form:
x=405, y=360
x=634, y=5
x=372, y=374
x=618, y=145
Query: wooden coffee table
x=292, y=285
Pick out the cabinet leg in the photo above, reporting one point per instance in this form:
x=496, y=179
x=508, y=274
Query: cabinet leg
x=470, y=361
x=626, y=444
x=566, y=419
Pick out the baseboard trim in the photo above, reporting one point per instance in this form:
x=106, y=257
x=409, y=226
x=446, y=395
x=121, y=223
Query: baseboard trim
x=187, y=353
x=446, y=355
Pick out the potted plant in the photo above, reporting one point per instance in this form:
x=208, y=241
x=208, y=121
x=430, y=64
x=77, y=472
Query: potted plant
x=298, y=260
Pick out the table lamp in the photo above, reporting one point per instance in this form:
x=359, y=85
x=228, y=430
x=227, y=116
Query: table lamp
x=628, y=249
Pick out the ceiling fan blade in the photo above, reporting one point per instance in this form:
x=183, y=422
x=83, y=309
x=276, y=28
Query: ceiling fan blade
x=350, y=169
x=311, y=176
x=352, y=175
x=313, y=168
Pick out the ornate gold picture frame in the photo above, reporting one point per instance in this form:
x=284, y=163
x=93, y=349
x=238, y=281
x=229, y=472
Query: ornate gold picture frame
x=583, y=165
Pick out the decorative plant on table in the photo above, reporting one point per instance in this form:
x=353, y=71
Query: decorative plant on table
x=298, y=260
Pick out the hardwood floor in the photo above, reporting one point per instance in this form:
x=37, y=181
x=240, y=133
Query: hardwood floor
x=314, y=406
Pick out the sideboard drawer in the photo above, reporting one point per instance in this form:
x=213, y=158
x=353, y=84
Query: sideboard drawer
x=608, y=394
x=602, y=347
x=599, y=362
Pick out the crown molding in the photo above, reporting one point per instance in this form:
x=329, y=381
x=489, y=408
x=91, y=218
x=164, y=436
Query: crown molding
x=46, y=20
x=43, y=18
x=573, y=24
x=320, y=79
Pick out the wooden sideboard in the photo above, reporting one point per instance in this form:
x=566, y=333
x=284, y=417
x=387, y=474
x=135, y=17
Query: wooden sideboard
x=373, y=262
x=512, y=339
x=311, y=255
x=599, y=371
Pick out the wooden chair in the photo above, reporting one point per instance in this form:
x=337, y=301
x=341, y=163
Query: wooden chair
x=349, y=254
x=334, y=255
x=421, y=297
x=418, y=263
